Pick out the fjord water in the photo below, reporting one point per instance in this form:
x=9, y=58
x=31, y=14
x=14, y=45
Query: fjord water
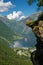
x=28, y=41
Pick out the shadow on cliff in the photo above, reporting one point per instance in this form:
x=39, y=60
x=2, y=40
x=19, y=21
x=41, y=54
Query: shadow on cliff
x=37, y=27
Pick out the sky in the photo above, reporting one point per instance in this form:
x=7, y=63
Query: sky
x=16, y=9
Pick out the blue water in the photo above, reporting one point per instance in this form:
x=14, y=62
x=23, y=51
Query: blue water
x=28, y=41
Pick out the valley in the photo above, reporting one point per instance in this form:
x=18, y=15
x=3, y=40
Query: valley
x=17, y=42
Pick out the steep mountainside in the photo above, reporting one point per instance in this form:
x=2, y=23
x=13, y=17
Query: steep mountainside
x=6, y=32
x=37, y=27
x=16, y=30
x=20, y=26
x=7, y=54
x=21, y=29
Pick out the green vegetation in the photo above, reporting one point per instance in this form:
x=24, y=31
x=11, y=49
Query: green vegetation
x=17, y=37
x=9, y=57
x=30, y=23
x=6, y=32
x=40, y=2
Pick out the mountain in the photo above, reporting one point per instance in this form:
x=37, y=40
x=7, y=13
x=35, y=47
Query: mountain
x=7, y=54
x=20, y=26
x=34, y=16
x=5, y=31
x=4, y=20
x=6, y=28
x=18, y=30
x=21, y=29
x=24, y=32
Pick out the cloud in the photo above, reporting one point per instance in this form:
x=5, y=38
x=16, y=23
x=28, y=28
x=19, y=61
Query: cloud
x=22, y=17
x=5, y=6
x=16, y=15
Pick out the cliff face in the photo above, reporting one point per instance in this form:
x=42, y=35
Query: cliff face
x=38, y=30
x=37, y=27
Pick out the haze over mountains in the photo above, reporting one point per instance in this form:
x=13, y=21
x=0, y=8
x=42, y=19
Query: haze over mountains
x=18, y=30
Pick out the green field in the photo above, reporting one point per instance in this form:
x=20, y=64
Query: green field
x=9, y=57
x=7, y=54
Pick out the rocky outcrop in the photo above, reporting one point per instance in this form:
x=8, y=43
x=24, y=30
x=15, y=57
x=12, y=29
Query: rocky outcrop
x=37, y=27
